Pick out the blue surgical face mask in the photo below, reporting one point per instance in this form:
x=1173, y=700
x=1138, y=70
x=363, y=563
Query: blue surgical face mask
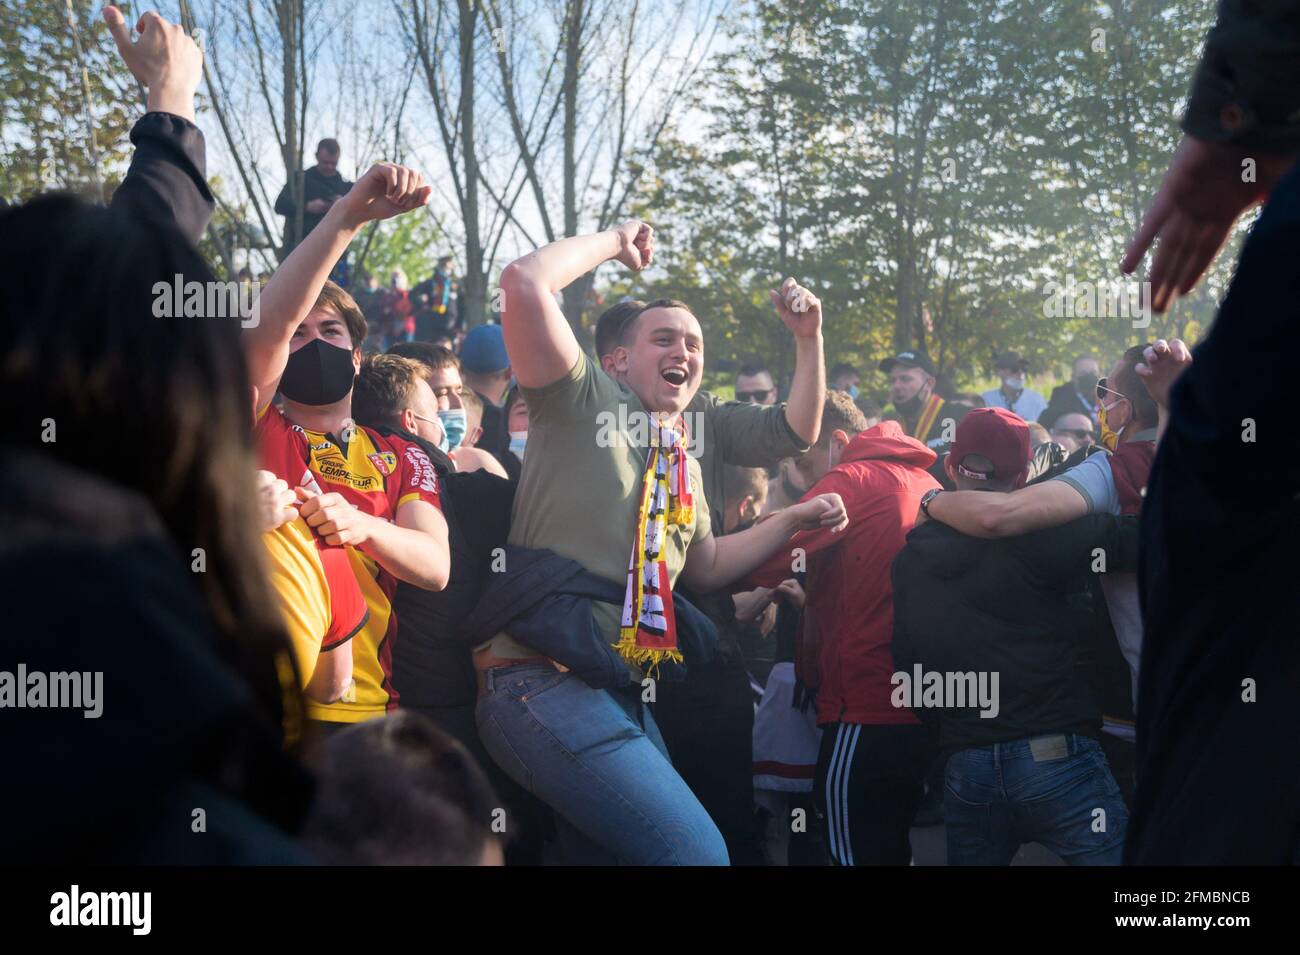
x=517, y=441
x=454, y=425
x=853, y=392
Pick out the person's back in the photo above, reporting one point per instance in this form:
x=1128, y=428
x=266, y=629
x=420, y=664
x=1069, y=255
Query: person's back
x=985, y=641
x=971, y=605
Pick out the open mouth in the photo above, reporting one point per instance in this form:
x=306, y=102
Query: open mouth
x=675, y=376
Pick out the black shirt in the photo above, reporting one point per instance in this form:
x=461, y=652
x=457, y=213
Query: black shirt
x=1219, y=684
x=315, y=185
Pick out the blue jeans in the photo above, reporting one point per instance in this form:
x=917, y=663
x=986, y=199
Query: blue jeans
x=998, y=797
x=596, y=757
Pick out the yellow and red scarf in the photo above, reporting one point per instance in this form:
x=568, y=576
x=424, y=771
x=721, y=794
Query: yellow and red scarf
x=648, y=634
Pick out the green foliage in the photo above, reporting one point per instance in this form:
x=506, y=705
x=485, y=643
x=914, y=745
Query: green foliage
x=43, y=137
x=927, y=168
x=411, y=243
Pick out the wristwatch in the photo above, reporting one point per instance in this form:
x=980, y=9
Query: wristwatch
x=929, y=496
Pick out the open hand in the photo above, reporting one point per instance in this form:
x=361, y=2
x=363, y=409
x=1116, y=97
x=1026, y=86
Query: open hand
x=1200, y=198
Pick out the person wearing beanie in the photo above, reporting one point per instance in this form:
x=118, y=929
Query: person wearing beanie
x=485, y=370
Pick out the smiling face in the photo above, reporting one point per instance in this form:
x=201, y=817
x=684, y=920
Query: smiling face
x=662, y=358
x=446, y=385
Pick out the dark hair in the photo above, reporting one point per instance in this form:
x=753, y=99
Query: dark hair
x=843, y=368
x=512, y=395
x=755, y=367
x=630, y=324
x=399, y=791
x=161, y=406
x=329, y=146
x=385, y=388
x=870, y=407
x=1130, y=384
x=610, y=325
x=840, y=414
x=428, y=354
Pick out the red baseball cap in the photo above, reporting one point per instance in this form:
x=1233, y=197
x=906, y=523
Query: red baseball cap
x=997, y=434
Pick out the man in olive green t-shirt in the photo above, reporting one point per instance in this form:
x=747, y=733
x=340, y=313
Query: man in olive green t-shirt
x=596, y=756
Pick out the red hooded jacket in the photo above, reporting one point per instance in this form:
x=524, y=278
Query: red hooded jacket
x=848, y=623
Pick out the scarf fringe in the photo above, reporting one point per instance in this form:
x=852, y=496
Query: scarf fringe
x=647, y=658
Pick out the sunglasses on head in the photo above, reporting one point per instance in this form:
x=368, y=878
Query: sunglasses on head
x=757, y=397
x=1103, y=391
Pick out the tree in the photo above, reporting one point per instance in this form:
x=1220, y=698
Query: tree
x=67, y=102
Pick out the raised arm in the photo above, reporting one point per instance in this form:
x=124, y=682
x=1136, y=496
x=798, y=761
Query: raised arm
x=384, y=191
x=715, y=562
x=984, y=514
x=1162, y=365
x=538, y=337
x=167, y=181
x=802, y=313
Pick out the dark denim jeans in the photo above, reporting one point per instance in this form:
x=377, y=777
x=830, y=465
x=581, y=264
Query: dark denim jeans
x=1055, y=790
x=596, y=757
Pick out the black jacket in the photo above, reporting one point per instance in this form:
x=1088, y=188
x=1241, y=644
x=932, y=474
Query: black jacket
x=964, y=604
x=1066, y=400
x=166, y=184
x=104, y=590
x=544, y=601
x=315, y=185
x=1246, y=89
x=431, y=664
x=1219, y=757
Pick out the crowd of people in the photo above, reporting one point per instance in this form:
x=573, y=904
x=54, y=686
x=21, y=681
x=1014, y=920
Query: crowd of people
x=371, y=587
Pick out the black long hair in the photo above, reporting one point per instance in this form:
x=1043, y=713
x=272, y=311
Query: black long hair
x=161, y=406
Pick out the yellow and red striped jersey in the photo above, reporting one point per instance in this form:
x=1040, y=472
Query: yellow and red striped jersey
x=377, y=474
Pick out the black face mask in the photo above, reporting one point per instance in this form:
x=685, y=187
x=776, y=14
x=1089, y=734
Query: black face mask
x=318, y=373
x=1087, y=385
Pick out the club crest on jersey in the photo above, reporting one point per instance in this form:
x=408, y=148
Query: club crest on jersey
x=385, y=461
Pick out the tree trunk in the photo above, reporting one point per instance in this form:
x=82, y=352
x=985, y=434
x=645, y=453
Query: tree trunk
x=576, y=294
x=474, y=284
